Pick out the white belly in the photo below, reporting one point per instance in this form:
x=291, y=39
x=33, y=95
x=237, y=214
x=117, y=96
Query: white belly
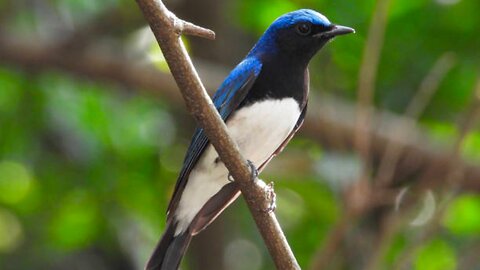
x=259, y=130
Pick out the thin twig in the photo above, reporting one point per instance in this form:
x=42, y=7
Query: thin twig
x=390, y=223
x=201, y=107
x=430, y=84
x=188, y=28
x=367, y=78
x=453, y=179
x=413, y=111
x=325, y=255
x=366, y=85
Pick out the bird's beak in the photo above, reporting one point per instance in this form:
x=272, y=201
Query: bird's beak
x=336, y=30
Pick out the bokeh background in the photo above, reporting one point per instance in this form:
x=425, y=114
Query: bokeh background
x=385, y=173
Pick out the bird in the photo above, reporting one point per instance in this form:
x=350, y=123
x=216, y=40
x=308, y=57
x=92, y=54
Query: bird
x=263, y=102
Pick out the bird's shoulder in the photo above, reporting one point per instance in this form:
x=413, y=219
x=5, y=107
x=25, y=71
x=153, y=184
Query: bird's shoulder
x=240, y=79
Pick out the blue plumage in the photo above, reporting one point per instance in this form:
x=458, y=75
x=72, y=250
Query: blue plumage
x=263, y=102
x=245, y=72
x=268, y=44
x=228, y=96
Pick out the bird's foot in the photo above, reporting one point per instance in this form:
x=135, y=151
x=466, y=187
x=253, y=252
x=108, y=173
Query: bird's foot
x=230, y=178
x=272, y=197
x=253, y=171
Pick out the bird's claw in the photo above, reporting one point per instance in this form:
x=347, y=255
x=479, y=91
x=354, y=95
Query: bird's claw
x=253, y=170
x=272, y=197
x=230, y=178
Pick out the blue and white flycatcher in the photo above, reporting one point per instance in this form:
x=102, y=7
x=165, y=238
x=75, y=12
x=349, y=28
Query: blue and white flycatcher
x=263, y=102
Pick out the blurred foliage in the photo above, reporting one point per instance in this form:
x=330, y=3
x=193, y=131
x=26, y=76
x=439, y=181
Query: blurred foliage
x=462, y=216
x=87, y=168
x=436, y=255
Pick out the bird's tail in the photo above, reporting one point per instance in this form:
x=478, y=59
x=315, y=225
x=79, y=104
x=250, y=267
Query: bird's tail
x=169, y=251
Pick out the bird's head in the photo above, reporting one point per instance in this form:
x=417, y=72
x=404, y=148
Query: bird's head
x=299, y=33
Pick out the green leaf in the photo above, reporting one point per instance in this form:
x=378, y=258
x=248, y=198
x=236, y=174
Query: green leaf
x=441, y=132
x=471, y=146
x=15, y=182
x=11, y=233
x=11, y=91
x=462, y=216
x=76, y=223
x=265, y=13
x=436, y=255
x=400, y=8
x=395, y=249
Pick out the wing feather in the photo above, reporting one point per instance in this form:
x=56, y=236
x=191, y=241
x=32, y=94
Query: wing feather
x=227, y=98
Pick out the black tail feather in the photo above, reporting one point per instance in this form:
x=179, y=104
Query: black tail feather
x=170, y=250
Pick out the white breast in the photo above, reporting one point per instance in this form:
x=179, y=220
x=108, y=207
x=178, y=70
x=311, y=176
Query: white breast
x=258, y=129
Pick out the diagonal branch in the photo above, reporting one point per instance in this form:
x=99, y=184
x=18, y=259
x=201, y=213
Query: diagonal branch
x=166, y=28
x=419, y=102
x=366, y=84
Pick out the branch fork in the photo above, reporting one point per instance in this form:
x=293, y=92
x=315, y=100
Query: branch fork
x=191, y=29
x=182, y=27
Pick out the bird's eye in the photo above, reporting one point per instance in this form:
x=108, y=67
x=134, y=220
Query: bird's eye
x=304, y=29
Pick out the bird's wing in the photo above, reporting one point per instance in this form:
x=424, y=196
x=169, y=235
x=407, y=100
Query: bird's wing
x=230, y=191
x=227, y=98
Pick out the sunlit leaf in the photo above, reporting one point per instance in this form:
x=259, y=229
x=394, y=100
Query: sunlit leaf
x=471, y=146
x=291, y=207
x=395, y=249
x=15, y=182
x=399, y=8
x=11, y=232
x=76, y=222
x=462, y=216
x=148, y=128
x=441, y=133
x=258, y=15
x=435, y=255
x=135, y=193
